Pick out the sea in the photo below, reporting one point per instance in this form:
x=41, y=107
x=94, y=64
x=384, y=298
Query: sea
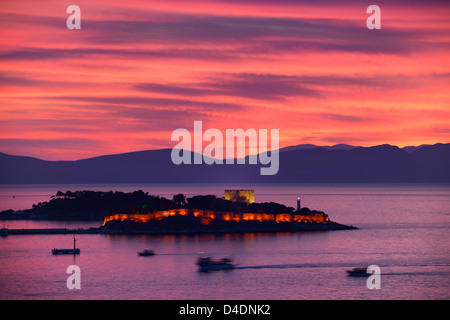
x=403, y=229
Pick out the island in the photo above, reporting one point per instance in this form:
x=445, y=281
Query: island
x=140, y=213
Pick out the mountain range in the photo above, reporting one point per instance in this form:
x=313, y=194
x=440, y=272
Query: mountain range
x=297, y=164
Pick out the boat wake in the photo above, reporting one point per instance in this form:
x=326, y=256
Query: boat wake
x=305, y=266
x=282, y=266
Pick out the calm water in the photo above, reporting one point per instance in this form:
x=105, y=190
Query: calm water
x=404, y=229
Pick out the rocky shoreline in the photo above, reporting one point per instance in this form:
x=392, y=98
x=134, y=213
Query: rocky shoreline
x=305, y=227
x=130, y=227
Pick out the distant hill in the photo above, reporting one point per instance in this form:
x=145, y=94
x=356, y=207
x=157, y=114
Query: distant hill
x=312, y=146
x=298, y=164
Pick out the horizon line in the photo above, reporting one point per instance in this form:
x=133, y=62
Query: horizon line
x=313, y=146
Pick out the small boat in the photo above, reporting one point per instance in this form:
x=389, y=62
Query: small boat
x=209, y=264
x=358, y=272
x=65, y=251
x=146, y=252
x=75, y=250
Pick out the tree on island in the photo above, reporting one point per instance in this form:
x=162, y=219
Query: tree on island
x=211, y=202
x=95, y=205
x=269, y=208
x=304, y=211
x=179, y=199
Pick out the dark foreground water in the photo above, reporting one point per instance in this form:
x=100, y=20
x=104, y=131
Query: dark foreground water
x=404, y=229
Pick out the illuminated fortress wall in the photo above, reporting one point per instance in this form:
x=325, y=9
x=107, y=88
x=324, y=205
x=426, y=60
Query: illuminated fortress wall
x=240, y=195
x=280, y=217
x=159, y=215
x=207, y=216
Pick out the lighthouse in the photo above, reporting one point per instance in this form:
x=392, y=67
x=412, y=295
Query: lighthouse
x=298, y=204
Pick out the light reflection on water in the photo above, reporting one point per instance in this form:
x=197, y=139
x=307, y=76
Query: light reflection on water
x=402, y=229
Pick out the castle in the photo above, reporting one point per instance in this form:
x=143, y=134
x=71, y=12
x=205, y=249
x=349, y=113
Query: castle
x=247, y=196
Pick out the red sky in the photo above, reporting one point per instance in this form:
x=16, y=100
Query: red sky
x=137, y=70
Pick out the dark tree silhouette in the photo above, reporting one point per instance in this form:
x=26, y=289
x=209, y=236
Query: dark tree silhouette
x=179, y=199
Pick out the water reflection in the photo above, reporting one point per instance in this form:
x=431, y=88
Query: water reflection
x=404, y=230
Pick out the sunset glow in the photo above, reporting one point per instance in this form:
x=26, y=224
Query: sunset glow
x=137, y=70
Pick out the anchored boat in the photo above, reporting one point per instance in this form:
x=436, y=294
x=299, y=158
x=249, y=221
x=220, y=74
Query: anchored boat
x=75, y=250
